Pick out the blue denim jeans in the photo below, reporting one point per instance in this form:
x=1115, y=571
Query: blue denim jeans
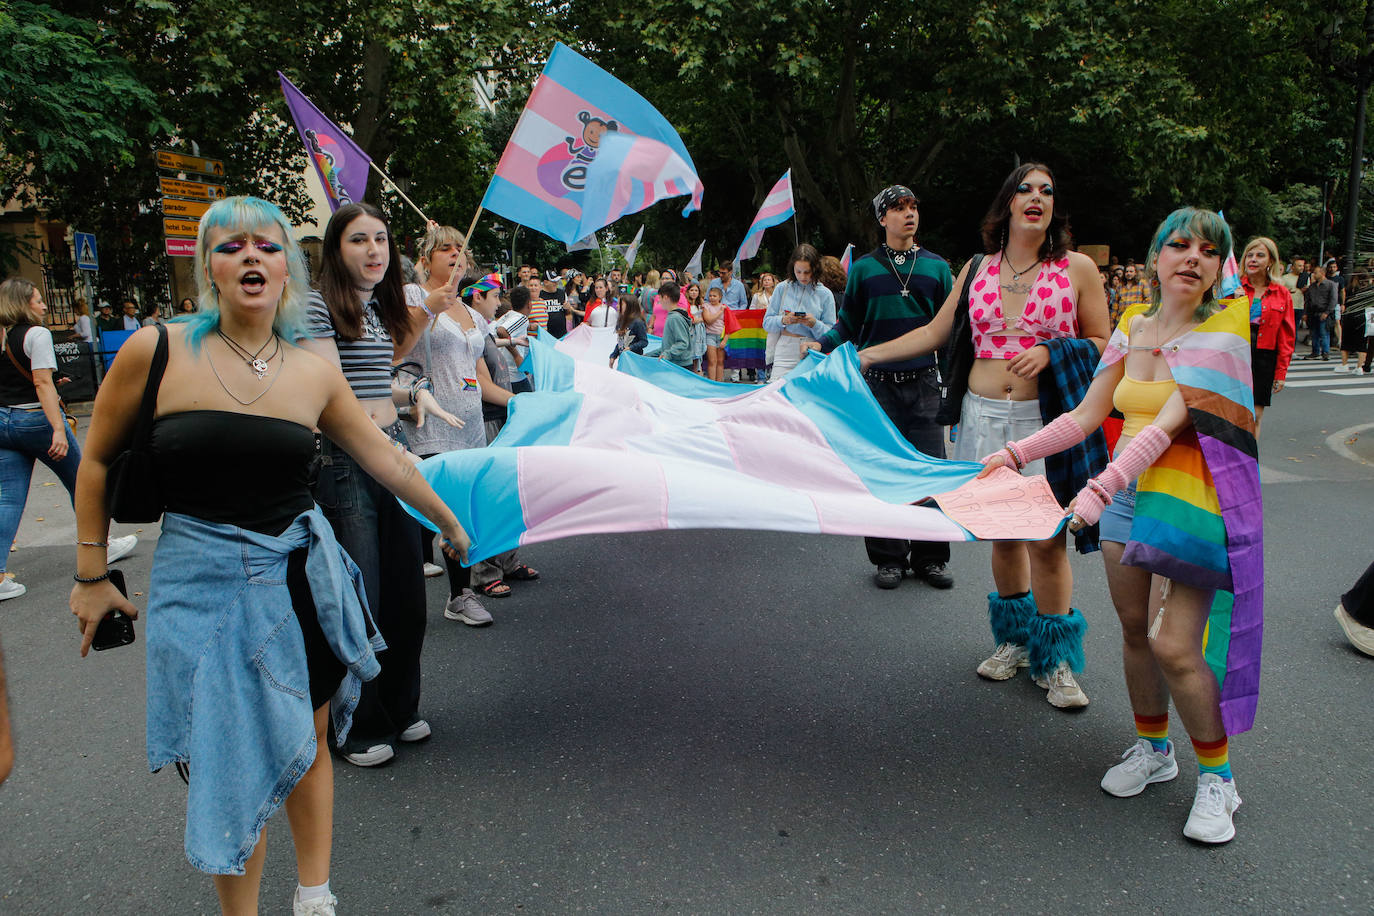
x=25, y=435
x=1321, y=337
x=385, y=543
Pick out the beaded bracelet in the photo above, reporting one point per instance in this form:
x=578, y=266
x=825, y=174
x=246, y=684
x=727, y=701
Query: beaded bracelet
x=100, y=578
x=92, y=543
x=1100, y=490
x=1015, y=456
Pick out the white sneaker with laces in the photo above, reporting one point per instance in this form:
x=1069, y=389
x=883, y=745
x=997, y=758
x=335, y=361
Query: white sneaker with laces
x=120, y=547
x=1005, y=662
x=466, y=608
x=9, y=588
x=418, y=730
x=319, y=906
x=1215, y=802
x=1141, y=765
x=432, y=570
x=1064, y=691
x=374, y=756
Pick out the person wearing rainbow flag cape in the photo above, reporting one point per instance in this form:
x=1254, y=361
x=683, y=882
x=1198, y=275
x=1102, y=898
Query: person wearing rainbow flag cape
x=1181, y=514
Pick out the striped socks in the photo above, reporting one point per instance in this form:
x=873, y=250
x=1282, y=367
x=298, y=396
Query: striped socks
x=1154, y=729
x=1213, y=757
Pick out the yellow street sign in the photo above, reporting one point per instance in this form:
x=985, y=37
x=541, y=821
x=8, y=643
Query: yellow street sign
x=193, y=209
x=180, y=162
x=181, y=228
x=194, y=190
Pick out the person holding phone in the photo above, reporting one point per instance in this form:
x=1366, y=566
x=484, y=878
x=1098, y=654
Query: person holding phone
x=257, y=617
x=801, y=308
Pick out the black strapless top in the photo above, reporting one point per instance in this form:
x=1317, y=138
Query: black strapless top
x=233, y=468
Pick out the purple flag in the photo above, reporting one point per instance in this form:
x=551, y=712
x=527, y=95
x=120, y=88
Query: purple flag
x=340, y=163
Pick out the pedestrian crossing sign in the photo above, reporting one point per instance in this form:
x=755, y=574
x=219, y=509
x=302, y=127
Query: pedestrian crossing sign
x=87, y=257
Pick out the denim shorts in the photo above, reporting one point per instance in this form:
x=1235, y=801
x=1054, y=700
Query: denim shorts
x=712, y=340
x=1116, y=518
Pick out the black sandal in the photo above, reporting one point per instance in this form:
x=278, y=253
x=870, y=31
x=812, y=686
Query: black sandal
x=522, y=573
x=497, y=589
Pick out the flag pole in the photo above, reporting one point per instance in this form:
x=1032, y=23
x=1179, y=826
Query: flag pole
x=397, y=189
x=796, y=233
x=467, y=239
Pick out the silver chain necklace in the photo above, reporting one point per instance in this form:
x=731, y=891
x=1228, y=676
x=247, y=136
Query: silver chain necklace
x=260, y=394
x=901, y=259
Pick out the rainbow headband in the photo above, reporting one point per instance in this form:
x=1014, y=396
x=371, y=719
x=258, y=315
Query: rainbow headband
x=489, y=282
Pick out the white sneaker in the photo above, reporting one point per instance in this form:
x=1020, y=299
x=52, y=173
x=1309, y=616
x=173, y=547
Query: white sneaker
x=1141, y=765
x=9, y=588
x=1360, y=636
x=374, y=756
x=468, y=609
x=1339, y=369
x=1064, y=691
x=432, y=570
x=319, y=906
x=120, y=547
x=1005, y=662
x=1210, y=819
x=418, y=730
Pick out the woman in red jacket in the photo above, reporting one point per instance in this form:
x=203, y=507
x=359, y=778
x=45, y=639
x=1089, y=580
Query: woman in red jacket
x=1273, y=329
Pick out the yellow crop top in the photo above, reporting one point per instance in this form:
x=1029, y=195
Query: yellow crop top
x=1140, y=402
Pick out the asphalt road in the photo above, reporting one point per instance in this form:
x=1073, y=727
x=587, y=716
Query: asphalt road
x=738, y=722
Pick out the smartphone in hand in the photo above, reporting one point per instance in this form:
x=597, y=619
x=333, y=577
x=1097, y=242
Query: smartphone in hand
x=116, y=628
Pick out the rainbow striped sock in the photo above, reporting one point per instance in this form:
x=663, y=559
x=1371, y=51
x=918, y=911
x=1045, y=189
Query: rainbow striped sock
x=1213, y=757
x=1154, y=729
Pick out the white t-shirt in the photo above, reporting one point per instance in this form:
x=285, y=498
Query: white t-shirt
x=83, y=328
x=519, y=326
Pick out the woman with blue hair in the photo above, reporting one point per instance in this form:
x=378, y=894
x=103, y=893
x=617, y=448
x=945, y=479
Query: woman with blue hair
x=257, y=618
x=1180, y=512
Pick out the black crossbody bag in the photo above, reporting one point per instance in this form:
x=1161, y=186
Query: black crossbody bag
x=958, y=355
x=132, y=493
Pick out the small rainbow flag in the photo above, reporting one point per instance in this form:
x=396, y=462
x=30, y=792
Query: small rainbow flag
x=745, y=339
x=470, y=384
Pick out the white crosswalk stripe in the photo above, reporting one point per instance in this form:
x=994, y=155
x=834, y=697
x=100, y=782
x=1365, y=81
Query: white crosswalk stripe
x=1324, y=377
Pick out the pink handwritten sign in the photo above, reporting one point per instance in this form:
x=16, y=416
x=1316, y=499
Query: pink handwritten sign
x=1004, y=506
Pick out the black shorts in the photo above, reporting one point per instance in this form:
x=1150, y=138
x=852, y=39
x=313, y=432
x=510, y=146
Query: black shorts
x=326, y=671
x=1263, y=364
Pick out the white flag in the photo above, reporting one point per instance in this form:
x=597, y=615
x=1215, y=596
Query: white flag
x=633, y=251
x=693, y=267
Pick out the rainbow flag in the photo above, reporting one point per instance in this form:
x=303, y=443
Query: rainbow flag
x=777, y=208
x=1199, y=518
x=745, y=339
x=340, y=163
x=541, y=180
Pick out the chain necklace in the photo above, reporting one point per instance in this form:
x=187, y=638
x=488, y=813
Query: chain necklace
x=259, y=366
x=1161, y=337
x=1014, y=285
x=900, y=258
x=260, y=394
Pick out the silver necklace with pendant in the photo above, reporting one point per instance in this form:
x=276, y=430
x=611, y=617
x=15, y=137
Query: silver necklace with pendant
x=254, y=360
x=893, y=259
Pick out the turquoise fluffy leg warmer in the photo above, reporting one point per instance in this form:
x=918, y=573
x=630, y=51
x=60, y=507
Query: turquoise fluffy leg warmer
x=1009, y=616
x=1055, y=638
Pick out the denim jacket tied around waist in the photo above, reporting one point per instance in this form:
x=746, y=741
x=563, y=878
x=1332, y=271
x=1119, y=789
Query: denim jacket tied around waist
x=228, y=686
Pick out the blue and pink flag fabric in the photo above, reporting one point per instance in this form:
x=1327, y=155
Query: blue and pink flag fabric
x=340, y=163
x=847, y=258
x=652, y=447
x=630, y=174
x=777, y=208
x=541, y=180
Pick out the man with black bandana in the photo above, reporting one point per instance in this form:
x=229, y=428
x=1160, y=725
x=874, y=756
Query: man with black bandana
x=893, y=289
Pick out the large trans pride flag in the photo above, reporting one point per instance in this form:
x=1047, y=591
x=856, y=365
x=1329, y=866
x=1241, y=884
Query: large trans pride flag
x=541, y=180
x=594, y=450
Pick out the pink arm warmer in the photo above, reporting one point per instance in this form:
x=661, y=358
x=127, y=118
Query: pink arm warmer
x=1139, y=454
x=1059, y=434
